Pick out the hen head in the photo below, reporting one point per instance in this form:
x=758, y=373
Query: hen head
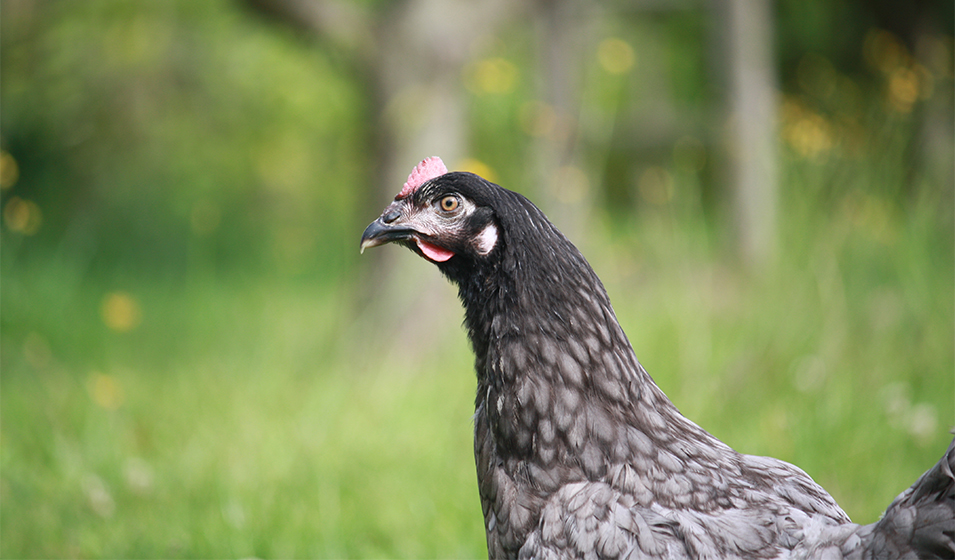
x=444, y=217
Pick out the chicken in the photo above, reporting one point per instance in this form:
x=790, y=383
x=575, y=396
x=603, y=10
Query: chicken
x=579, y=454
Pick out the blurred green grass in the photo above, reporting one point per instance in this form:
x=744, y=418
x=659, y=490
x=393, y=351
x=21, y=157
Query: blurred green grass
x=226, y=424
x=258, y=418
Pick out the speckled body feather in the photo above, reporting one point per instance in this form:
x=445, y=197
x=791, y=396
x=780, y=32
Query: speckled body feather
x=580, y=455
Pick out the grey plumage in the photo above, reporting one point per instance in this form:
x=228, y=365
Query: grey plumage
x=579, y=454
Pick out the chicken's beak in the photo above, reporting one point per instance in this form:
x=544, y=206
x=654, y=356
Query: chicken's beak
x=384, y=230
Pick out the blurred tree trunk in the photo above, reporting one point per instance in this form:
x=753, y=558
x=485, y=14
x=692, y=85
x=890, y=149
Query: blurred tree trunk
x=411, y=55
x=566, y=199
x=753, y=131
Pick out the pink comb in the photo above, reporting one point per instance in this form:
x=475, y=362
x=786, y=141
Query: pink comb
x=428, y=169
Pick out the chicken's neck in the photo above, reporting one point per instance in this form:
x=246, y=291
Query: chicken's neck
x=555, y=370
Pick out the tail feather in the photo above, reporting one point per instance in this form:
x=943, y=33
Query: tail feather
x=920, y=523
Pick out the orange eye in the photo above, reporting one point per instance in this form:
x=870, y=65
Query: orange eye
x=449, y=203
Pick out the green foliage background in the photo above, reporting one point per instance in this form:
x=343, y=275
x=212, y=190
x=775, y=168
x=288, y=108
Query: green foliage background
x=186, y=370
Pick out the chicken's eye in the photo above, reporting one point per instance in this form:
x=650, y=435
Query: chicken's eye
x=449, y=203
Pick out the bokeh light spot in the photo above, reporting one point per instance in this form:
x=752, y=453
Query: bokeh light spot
x=903, y=89
x=808, y=133
x=494, y=75
x=477, y=167
x=883, y=51
x=22, y=216
x=139, y=475
x=655, y=185
x=100, y=498
x=105, y=390
x=9, y=170
x=810, y=136
x=920, y=420
x=616, y=56
x=121, y=312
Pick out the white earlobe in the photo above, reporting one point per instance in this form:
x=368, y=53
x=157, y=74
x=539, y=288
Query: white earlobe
x=486, y=240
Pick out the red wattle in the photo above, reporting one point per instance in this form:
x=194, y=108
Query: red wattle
x=433, y=252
